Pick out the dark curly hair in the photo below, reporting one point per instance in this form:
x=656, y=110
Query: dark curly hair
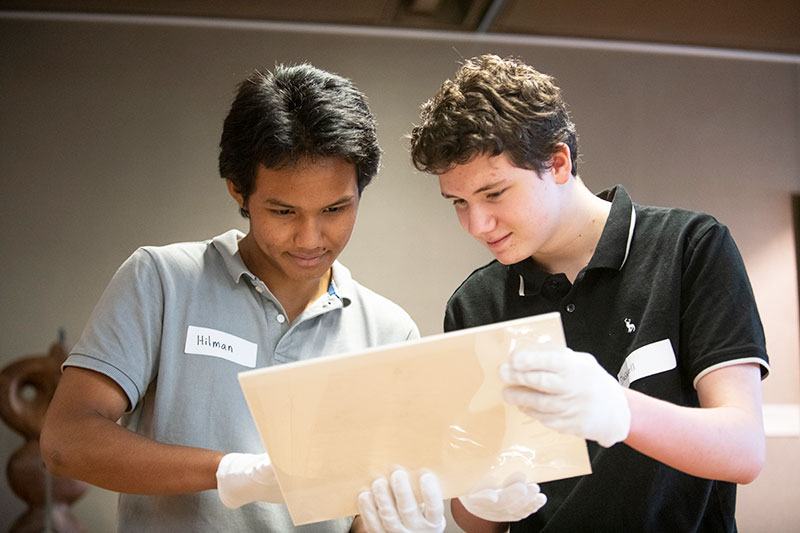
x=292, y=113
x=493, y=106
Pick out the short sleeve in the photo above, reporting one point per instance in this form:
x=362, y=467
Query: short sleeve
x=122, y=338
x=720, y=323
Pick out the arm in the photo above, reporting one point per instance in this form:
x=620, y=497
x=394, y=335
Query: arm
x=471, y=523
x=725, y=435
x=81, y=439
x=570, y=392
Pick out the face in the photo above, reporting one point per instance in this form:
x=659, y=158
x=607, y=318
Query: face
x=301, y=218
x=512, y=211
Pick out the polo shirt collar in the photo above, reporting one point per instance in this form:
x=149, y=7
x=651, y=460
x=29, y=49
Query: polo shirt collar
x=612, y=248
x=227, y=245
x=342, y=285
x=615, y=241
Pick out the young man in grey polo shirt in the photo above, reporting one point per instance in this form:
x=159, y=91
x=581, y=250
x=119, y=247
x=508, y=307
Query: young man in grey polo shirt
x=666, y=348
x=178, y=323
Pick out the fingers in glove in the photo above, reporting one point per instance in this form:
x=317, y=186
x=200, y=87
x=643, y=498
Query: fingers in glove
x=567, y=425
x=537, y=503
x=264, y=472
x=433, y=504
x=407, y=508
x=541, y=381
x=524, y=360
x=546, y=404
x=369, y=513
x=384, y=501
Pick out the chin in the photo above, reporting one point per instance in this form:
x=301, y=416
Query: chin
x=310, y=273
x=509, y=258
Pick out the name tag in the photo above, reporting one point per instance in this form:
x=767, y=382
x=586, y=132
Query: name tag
x=205, y=341
x=646, y=361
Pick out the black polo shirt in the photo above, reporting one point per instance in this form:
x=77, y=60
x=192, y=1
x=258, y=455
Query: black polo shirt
x=664, y=300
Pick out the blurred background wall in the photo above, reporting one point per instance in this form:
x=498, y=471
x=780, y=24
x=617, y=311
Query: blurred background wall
x=108, y=140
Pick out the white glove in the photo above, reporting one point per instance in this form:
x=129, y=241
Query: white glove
x=514, y=501
x=390, y=506
x=244, y=477
x=569, y=392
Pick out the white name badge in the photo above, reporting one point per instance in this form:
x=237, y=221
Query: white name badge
x=206, y=341
x=646, y=361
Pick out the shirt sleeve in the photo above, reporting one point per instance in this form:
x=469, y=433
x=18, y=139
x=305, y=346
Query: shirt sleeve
x=123, y=336
x=720, y=323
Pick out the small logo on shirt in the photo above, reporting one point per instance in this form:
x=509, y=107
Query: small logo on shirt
x=630, y=325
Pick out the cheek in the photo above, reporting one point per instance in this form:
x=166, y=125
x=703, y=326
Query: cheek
x=339, y=232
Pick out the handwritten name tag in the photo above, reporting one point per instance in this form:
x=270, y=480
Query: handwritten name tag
x=206, y=341
x=646, y=361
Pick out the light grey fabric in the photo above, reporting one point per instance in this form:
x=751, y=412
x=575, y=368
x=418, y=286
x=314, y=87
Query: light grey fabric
x=137, y=335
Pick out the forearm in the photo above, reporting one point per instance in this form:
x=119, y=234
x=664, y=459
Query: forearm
x=81, y=439
x=107, y=455
x=724, y=443
x=471, y=523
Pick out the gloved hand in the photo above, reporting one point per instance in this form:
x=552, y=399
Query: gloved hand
x=390, y=506
x=514, y=501
x=568, y=391
x=244, y=477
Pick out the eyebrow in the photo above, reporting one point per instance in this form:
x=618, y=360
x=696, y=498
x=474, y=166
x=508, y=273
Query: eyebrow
x=343, y=200
x=476, y=191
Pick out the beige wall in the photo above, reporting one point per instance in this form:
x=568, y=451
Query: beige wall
x=108, y=135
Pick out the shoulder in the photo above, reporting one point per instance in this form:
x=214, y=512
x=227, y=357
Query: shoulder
x=680, y=231
x=175, y=253
x=482, y=282
x=181, y=260
x=172, y=265
x=480, y=299
x=373, y=302
x=671, y=221
x=357, y=296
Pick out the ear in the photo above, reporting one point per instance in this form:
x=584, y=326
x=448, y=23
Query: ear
x=235, y=194
x=561, y=164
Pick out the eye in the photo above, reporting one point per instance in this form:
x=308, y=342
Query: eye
x=336, y=208
x=458, y=202
x=281, y=212
x=495, y=194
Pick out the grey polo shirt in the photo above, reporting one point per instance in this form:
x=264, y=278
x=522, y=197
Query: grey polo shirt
x=177, y=324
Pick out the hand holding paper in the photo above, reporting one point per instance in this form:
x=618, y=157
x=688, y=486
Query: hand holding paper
x=390, y=506
x=568, y=391
x=514, y=501
x=244, y=478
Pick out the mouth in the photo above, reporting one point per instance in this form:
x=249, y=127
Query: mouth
x=308, y=260
x=497, y=242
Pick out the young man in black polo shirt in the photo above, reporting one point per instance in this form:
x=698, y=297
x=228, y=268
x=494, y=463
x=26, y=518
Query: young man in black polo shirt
x=666, y=348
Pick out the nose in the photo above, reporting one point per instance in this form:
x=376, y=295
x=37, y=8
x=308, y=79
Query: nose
x=308, y=234
x=478, y=220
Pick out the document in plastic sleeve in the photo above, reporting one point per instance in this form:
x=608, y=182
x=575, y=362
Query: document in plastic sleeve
x=332, y=425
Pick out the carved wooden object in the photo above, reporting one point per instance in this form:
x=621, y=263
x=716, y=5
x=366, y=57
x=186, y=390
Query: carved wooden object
x=26, y=388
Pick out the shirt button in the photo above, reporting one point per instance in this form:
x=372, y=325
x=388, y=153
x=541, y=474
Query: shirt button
x=281, y=319
x=570, y=308
x=259, y=289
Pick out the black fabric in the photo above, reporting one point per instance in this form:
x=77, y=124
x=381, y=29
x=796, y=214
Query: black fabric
x=681, y=279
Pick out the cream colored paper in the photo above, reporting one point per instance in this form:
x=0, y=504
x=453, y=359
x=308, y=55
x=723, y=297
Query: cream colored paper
x=334, y=424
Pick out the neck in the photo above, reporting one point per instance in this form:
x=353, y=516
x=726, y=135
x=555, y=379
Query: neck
x=294, y=295
x=298, y=296
x=584, y=217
